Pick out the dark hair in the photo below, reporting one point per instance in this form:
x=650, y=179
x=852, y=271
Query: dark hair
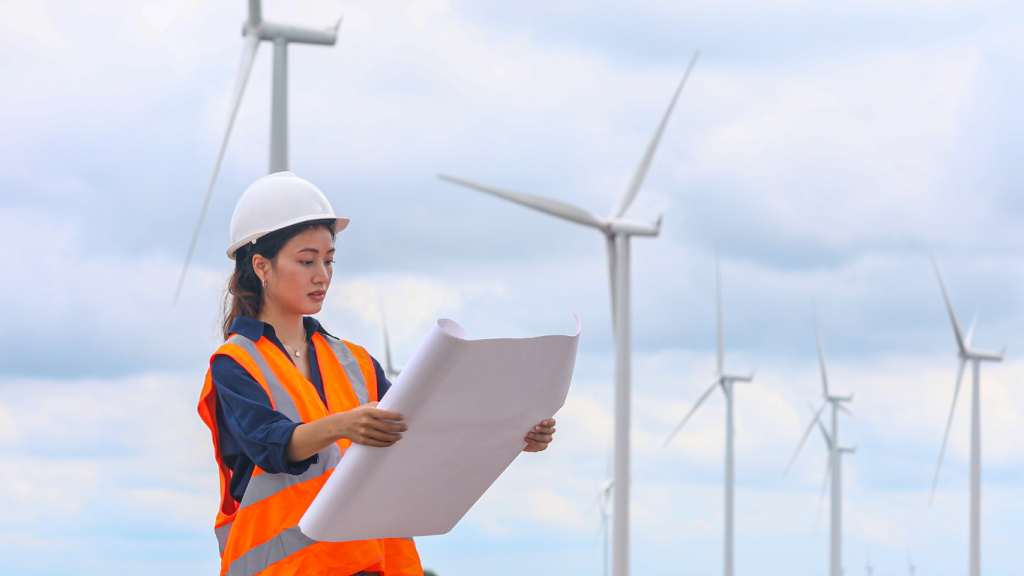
x=244, y=294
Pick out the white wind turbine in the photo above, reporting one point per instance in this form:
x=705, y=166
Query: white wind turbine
x=975, y=356
x=255, y=30
x=602, y=501
x=835, y=453
x=390, y=370
x=617, y=231
x=724, y=381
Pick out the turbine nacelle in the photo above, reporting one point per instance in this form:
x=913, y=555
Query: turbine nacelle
x=723, y=378
x=632, y=227
x=839, y=399
x=975, y=354
x=271, y=31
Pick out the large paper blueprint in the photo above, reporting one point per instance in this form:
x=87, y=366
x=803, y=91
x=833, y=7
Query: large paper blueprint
x=468, y=404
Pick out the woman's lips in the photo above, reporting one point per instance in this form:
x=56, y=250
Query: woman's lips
x=317, y=296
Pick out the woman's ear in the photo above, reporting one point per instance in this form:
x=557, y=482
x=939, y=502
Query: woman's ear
x=261, y=265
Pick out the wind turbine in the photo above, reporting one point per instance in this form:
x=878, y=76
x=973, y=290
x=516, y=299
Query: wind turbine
x=975, y=356
x=604, y=497
x=255, y=30
x=725, y=381
x=617, y=232
x=389, y=368
x=868, y=568
x=835, y=453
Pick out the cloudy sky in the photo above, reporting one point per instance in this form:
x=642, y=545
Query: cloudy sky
x=826, y=148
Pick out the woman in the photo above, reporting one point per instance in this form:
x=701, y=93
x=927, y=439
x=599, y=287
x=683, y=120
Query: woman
x=284, y=398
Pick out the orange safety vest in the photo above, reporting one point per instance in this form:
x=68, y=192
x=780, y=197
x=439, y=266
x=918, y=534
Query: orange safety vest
x=260, y=534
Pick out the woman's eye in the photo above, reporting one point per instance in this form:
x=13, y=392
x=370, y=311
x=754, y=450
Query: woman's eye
x=329, y=262
x=307, y=262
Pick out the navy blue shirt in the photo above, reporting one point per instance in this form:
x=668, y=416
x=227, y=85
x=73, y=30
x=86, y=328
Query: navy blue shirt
x=252, y=433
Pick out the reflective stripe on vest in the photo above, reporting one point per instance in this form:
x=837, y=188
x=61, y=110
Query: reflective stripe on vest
x=283, y=402
x=258, y=558
x=260, y=535
x=222, y=536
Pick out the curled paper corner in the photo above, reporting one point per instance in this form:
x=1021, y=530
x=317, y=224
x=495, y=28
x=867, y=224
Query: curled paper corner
x=452, y=328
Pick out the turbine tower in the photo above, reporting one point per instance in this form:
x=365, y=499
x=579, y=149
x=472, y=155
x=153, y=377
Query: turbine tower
x=604, y=497
x=617, y=232
x=967, y=353
x=724, y=381
x=835, y=454
x=255, y=30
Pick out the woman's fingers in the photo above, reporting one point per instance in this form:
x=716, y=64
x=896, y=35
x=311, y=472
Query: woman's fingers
x=533, y=446
x=384, y=414
x=541, y=435
x=375, y=443
x=386, y=426
x=538, y=437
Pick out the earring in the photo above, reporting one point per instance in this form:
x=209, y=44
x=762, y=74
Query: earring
x=264, y=283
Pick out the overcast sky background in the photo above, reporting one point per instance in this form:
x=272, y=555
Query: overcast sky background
x=826, y=148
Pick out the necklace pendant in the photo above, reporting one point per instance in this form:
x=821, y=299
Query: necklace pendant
x=296, y=353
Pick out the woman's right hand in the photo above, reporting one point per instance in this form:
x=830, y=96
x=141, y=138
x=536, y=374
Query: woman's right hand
x=369, y=425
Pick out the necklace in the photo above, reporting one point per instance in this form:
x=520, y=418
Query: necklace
x=304, y=334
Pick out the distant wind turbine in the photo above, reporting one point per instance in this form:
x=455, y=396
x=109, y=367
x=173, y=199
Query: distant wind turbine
x=835, y=453
x=975, y=356
x=868, y=568
x=255, y=29
x=602, y=502
x=724, y=381
x=617, y=231
x=389, y=368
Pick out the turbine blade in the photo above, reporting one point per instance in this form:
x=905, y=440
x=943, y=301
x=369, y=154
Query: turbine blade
x=252, y=43
x=645, y=162
x=949, y=305
x=843, y=408
x=970, y=331
x=803, y=439
x=821, y=426
x=824, y=433
x=255, y=13
x=718, y=302
x=696, y=405
x=949, y=424
x=546, y=205
x=821, y=353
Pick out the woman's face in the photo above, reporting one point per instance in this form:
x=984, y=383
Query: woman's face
x=298, y=280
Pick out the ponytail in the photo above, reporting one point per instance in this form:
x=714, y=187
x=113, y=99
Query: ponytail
x=244, y=295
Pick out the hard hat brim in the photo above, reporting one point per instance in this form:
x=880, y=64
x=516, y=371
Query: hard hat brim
x=339, y=225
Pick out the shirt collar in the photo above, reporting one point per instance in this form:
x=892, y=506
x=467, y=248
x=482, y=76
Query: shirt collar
x=254, y=329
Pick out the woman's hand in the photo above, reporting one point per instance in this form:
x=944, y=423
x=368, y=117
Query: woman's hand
x=366, y=425
x=541, y=435
x=370, y=426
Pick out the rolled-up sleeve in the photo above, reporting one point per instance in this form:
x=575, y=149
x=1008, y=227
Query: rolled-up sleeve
x=256, y=430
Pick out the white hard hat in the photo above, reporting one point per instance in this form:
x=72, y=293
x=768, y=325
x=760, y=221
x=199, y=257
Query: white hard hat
x=277, y=201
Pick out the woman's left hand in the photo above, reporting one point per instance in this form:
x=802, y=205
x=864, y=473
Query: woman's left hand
x=541, y=435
